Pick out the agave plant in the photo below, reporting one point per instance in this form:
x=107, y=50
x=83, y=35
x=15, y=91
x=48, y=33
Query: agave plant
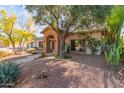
x=9, y=72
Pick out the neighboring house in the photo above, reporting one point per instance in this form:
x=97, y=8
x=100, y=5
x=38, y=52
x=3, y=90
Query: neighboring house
x=51, y=41
x=37, y=43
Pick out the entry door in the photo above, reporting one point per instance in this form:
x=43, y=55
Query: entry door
x=72, y=45
x=51, y=46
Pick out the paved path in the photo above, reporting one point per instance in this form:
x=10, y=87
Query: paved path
x=26, y=59
x=22, y=58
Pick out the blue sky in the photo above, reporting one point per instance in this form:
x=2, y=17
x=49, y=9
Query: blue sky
x=19, y=11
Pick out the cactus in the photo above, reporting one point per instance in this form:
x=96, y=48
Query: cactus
x=114, y=54
x=9, y=73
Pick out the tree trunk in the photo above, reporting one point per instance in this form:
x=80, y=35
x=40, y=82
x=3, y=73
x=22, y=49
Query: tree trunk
x=14, y=49
x=62, y=46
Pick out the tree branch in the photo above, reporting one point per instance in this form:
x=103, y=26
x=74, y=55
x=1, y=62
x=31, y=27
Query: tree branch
x=51, y=12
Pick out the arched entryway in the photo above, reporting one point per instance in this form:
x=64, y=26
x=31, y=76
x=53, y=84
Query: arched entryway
x=51, y=41
x=50, y=44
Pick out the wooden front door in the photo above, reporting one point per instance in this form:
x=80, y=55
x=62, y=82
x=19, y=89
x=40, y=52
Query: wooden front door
x=51, y=46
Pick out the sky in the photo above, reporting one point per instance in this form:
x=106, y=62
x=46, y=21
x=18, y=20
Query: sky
x=20, y=11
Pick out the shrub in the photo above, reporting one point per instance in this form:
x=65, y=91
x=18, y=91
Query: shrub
x=31, y=50
x=56, y=55
x=43, y=54
x=67, y=56
x=9, y=72
x=93, y=44
x=4, y=54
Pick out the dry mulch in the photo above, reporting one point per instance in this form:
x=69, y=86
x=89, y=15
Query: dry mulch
x=81, y=71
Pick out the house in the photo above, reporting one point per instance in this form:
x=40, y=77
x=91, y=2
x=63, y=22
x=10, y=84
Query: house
x=51, y=40
x=36, y=43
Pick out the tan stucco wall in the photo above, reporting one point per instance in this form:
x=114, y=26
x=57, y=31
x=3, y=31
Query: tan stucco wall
x=72, y=37
x=96, y=35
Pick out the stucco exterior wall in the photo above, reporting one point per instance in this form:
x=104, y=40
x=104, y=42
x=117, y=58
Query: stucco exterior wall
x=97, y=35
x=72, y=37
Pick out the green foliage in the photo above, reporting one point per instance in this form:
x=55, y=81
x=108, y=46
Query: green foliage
x=67, y=19
x=75, y=15
x=93, y=44
x=13, y=36
x=113, y=38
x=66, y=56
x=43, y=54
x=114, y=55
x=115, y=23
x=9, y=73
x=56, y=55
x=95, y=15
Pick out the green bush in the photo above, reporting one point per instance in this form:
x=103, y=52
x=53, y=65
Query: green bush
x=56, y=55
x=43, y=54
x=9, y=72
x=93, y=44
x=66, y=56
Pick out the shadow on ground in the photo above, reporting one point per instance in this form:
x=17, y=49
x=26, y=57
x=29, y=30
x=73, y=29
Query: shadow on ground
x=61, y=74
x=81, y=71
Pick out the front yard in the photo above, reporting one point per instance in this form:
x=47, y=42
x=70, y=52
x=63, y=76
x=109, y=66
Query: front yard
x=80, y=71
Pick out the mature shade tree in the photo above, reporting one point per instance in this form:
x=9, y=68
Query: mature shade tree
x=68, y=18
x=61, y=18
x=95, y=16
x=26, y=32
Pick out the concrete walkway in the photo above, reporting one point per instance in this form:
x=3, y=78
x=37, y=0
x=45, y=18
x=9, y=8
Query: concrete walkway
x=27, y=59
x=22, y=59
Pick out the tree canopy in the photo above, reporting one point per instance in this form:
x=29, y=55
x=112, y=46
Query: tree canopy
x=13, y=36
x=64, y=17
x=69, y=18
